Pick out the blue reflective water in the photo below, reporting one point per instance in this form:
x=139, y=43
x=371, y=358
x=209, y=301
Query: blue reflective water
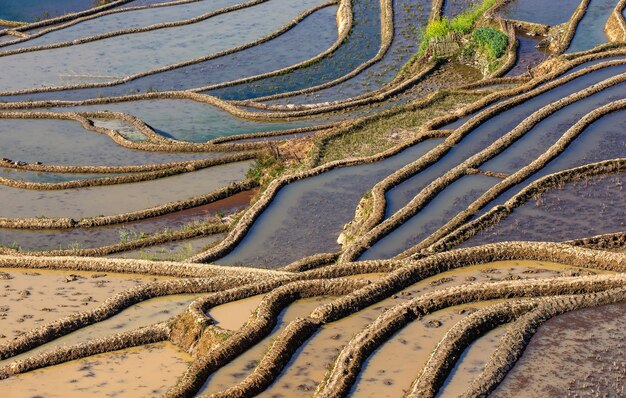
x=361, y=44
x=294, y=46
x=48, y=141
x=125, y=20
x=602, y=140
x=590, y=29
x=410, y=17
x=307, y=216
x=32, y=10
x=487, y=132
x=536, y=141
x=540, y=11
x=113, y=58
x=454, y=198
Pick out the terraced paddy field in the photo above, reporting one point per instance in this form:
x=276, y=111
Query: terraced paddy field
x=367, y=198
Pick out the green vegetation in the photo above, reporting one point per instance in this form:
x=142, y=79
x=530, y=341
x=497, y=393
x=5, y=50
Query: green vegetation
x=131, y=235
x=127, y=235
x=163, y=254
x=374, y=136
x=12, y=246
x=461, y=24
x=491, y=41
x=266, y=168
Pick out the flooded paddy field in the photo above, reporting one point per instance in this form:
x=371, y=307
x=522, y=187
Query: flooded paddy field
x=32, y=10
x=487, y=132
x=331, y=199
x=27, y=240
x=90, y=202
x=528, y=55
x=571, y=212
x=472, y=363
x=456, y=197
x=361, y=44
x=452, y=8
x=124, y=20
x=47, y=142
x=241, y=367
x=192, y=121
x=147, y=313
x=586, y=338
x=32, y=298
x=391, y=369
x=590, y=30
x=48, y=67
x=409, y=20
x=598, y=142
x=289, y=48
x=173, y=251
x=309, y=203
x=136, y=371
x=547, y=13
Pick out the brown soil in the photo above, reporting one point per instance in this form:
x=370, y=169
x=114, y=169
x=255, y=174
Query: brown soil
x=135, y=372
x=32, y=298
x=308, y=367
x=234, y=315
x=578, y=354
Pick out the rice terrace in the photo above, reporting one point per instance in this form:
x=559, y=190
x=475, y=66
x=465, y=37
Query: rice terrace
x=313, y=198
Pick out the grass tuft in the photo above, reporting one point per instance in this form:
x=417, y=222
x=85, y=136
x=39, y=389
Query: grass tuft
x=461, y=24
x=491, y=41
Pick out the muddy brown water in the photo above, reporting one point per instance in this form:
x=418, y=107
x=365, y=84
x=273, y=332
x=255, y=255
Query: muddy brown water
x=234, y=315
x=308, y=366
x=471, y=363
x=577, y=354
x=237, y=370
x=31, y=298
x=393, y=367
x=135, y=372
x=143, y=314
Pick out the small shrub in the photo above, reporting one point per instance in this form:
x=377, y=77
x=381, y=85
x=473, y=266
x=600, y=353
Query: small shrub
x=462, y=23
x=492, y=41
x=438, y=28
x=266, y=167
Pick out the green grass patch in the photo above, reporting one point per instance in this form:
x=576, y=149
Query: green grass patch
x=266, y=167
x=461, y=24
x=491, y=41
x=374, y=137
x=179, y=254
